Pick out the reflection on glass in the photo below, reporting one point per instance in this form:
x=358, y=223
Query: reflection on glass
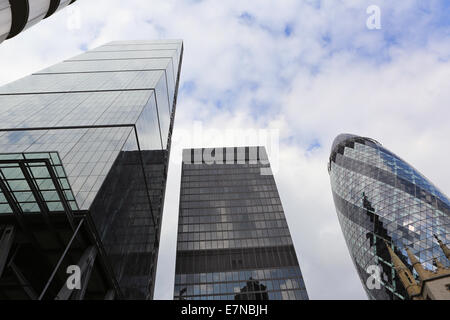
x=253, y=290
x=378, y=196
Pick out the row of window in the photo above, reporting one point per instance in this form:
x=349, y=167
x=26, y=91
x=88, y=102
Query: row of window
x=235, y=243
x=234, y=189
x=236, y=226
x=191, y=166
x=223, y=170
x=237, y=287
x=269, y=295
x=224, y=218
x=227, y=183
x=230, y=203
x=229, y=196
x=261, y=233
x=241, y=275
x=230, y=210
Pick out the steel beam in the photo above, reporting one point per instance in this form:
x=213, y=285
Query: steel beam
x=110, y=295
x=6, y=242
x=61, y=259
x=24, y=283
x=86, y=274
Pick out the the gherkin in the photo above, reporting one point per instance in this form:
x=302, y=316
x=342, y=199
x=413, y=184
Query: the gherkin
x=378, y=196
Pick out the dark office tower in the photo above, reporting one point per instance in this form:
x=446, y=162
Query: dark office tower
x=18, y=15
x=233, y=239
x=84, y=150
x=381, y=199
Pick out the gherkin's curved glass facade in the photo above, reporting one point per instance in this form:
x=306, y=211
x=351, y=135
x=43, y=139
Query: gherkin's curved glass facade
x=19, y=15
x=378, y=196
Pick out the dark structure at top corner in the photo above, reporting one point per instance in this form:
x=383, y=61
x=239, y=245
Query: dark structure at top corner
x=225, y=155
x=347, y=137
x=19, y=15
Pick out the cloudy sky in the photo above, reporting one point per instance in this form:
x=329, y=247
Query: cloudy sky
x=300, y=71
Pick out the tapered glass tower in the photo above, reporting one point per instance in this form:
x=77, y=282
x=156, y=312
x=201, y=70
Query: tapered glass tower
x=381, y=199
x=233, y=239
x=84, y=150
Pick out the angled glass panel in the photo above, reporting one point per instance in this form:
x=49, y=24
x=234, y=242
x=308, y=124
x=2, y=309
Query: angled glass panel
x=29, y=182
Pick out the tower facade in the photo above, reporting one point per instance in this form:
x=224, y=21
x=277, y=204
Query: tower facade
x=84, y=151
x=233, y=239
x=18, y=15
x=379, y=197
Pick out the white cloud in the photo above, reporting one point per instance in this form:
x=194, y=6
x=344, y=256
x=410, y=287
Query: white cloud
x=330, y=75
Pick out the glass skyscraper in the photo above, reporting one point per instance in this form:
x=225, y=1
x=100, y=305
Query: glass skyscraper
x=18, y=15
x=379, y=197
x=233, y=239
x=84, y=151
